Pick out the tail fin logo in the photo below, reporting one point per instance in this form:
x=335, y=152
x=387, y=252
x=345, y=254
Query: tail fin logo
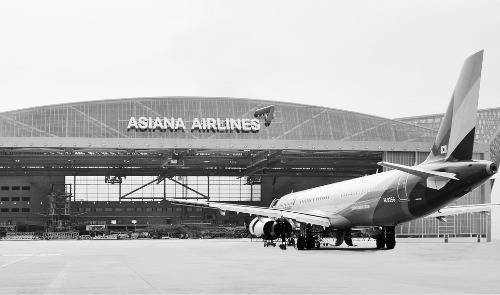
x=444, y=149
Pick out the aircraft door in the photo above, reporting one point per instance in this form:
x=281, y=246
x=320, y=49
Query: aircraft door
x=402, y=182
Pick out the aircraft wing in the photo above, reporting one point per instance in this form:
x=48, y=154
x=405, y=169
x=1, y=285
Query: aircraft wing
x=316, y=218
x=452, y=210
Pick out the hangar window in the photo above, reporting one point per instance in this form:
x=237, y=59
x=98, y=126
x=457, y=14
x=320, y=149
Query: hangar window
x=189, y=209
x=169, y=209
x=26, y=199
x=129, y=209
x=159, y=209
x=98, y=209
x=178, y=209
x=232, y=189
x=221, y=188
x=198, y=209
x=16, y=199
x=25, y=210
x=15, y=210
x=26, y=188
x=118, y=209
x=4, y=199
x=5, y=188
x=149, y=209
x=16, y=188
x=88, y=209
x=138, y=209
x=108, y=209
x=4, y=210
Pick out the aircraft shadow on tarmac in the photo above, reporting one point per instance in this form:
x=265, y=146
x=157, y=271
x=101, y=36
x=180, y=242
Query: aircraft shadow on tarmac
x=354, y=249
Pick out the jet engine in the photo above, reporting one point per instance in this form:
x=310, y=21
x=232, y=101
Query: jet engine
x=269, y=229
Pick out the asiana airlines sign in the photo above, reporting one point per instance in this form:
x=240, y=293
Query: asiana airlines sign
x=197, y=124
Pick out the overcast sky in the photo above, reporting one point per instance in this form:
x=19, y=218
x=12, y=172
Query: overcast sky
x=385, y=58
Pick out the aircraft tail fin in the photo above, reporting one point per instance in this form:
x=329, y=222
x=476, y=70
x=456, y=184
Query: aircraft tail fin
x=455, y=138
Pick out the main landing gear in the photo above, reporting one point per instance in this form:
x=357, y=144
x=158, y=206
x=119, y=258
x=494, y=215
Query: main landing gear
x=308, y=238
x=386, y=238
x=307, y=242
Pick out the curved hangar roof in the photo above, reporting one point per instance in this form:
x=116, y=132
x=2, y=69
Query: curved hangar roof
x=198, y=135
x=110, y=118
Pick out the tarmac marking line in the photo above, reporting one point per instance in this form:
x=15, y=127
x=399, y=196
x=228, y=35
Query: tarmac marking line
x=31, y=255
x=17, y=260
x=59, y=279
x=143, y=279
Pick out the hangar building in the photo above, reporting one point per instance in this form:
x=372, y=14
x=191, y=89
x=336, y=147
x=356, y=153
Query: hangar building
x=98, y=162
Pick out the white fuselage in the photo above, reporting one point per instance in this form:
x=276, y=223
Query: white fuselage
x=335, y=197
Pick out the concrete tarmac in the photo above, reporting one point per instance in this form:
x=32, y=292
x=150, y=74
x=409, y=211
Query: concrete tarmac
x=240, y=266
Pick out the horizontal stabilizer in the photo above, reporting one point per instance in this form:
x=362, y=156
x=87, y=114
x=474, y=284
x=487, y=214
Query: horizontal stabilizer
x=418, y=172
x=452, y=210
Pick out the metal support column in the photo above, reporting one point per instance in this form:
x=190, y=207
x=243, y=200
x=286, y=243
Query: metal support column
x=164, y=189
x=487, y=199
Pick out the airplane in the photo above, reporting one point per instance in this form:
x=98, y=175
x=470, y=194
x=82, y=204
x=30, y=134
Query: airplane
x=376, y=203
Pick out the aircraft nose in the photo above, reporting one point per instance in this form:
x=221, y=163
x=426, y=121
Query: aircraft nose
x=492, y=168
